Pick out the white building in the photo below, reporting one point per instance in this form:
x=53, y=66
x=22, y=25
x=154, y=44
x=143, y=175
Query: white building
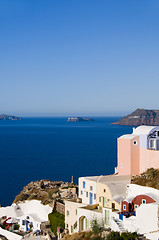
x=145, y=218
x=88, y=189
x=110, y=193
x=107, y=191
x=99, y=195
x=28, y=214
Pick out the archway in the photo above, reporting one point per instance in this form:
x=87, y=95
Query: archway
x=82, y=223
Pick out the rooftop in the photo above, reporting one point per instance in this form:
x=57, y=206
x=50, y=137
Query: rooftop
x=152, y=195
x=117, y=184
x=143, y=129
x=128, y=136
x=94, y=208
x=110, y=178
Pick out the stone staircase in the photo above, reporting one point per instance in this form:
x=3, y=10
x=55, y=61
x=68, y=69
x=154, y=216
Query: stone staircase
x=120, y=225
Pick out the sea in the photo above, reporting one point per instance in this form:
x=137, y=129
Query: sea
x=52, y=148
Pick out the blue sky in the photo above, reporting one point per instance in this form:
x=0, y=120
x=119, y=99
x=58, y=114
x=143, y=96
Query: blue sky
x=83, y=57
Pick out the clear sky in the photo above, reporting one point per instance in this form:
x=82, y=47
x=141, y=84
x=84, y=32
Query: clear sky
x=78, y=57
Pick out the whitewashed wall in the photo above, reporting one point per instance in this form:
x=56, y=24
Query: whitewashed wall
x=88, y=184
x=90, y=215
x=147, y=218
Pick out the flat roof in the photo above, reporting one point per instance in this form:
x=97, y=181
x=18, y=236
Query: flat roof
x=128, y=136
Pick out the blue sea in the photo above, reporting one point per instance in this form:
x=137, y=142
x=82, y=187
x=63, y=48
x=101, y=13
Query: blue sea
x=52, y=148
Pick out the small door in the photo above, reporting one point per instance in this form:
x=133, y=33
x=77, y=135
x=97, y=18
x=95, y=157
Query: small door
x=91, y=199
x=107, y=217
x=27, y=226
x=113, y=206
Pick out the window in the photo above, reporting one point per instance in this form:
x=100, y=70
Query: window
x=66, y=225
x=104, y=190
x=91, y=188
x=121, y=165
x=23, y=222
x=94, y=196
x=84, y=184
x=81, y=192
x=76, y=211
x=86, y=223
x=143, y=201
x=135, y=142
x=152, y=143
x=157, y=133
x=68, y=213
x=99, y=199
x=86, y=194
x=71, y=229
x=124, y=207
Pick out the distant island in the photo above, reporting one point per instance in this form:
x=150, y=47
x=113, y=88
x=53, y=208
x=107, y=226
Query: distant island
x=79, y=119
x=140, y=117
x=9, y=117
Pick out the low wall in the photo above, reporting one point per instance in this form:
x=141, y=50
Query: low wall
x=60, y=207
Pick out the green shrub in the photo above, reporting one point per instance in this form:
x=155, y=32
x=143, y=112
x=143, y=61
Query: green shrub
x=123, y=236
x=129, y=236
x=3, y=226
x=114, y=236
x=16, y=227
x=96, y=227
x=56, y=220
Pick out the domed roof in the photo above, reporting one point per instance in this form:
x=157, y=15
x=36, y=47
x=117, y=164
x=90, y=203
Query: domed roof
x=144, y=129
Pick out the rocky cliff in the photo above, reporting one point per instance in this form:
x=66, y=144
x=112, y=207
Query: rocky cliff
x=47, y=191
x=140, y=117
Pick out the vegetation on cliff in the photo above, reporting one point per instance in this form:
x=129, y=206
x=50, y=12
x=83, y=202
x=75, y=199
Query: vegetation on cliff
x=56, y=220
x=98, y=232
x=103, y=235
x=47, y=191
x=150, y=178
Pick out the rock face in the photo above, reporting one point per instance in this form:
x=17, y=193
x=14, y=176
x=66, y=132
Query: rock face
x=79, y=119
x=150, y=178
x=47, y=191
x=8, y=117
x=140, y=117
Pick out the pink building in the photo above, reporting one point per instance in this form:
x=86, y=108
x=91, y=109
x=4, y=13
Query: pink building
x=138, y=151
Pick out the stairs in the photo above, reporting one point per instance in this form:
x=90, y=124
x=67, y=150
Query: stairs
x=120, y=225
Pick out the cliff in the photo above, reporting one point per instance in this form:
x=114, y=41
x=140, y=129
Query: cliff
x=140, y=117
x=9, y=117
x=47, y=191
x=150, y=178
